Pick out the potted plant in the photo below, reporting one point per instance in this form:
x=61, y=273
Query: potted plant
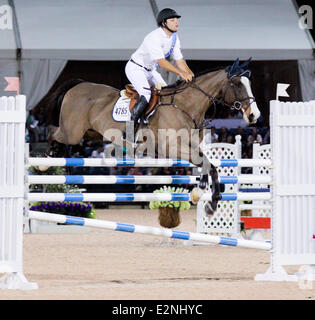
x=169, y=211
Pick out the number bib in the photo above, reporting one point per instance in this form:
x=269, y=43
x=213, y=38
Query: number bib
x=121, y=111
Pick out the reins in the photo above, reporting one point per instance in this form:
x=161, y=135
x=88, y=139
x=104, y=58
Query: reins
x=237, y=105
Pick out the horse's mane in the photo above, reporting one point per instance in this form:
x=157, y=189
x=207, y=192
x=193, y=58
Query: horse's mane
x=180, y=83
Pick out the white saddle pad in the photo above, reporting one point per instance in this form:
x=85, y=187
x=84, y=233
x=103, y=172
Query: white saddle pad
x=121, y=111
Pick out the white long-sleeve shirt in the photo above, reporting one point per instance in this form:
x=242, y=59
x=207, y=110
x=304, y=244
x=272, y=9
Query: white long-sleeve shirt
x=154, y=47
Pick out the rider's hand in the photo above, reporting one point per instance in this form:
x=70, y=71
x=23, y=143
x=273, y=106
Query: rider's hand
x=185, y=76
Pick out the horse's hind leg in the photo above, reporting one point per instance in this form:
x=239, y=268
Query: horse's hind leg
x=68, y=133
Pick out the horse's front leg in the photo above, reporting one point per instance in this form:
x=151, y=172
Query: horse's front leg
x=211, y=206
x=209, y=170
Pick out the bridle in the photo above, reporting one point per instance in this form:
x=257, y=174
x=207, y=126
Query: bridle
x=237, y=104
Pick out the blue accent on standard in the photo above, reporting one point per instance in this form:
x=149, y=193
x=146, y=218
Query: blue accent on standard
x=74, y=162
x=179, y=179
x=125, y=179
x=229, y=163
x=180, y=196
x=229, y=179
x=75, y=220
x=180, y=235
x=74, y=197
x=254, y=190
x=124, y=197
x=228, y=196
x=228, y=241
x=74, y=179
x=125, y=227
x=125, y=162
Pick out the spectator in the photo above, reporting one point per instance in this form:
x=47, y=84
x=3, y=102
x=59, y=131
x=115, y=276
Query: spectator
x=266, y=139
x=98, y=153
x=136, y=171
x=240, y=131
x=32, y=126
x=211, y=137
x=230, y=139
x=254, y=137
x=223, y=134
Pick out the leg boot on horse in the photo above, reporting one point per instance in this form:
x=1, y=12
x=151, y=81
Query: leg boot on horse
x=209, y=169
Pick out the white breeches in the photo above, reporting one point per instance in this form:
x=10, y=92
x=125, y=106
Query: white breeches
x=141, y=78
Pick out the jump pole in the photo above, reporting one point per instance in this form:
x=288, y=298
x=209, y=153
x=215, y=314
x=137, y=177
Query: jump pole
x=130, y=162
x=120, y=179
x=142, y=197
x=168, y=233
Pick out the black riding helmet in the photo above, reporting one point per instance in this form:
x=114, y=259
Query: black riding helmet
x=164, y=14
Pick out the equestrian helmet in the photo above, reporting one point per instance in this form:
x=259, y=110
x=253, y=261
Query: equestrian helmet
x=166, y=13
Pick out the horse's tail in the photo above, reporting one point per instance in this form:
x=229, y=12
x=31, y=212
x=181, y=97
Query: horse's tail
x=55, y=100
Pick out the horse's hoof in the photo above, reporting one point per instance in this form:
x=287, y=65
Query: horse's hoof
x=195, y=195
x=209, y=209
x=42, y=168
x=202, y=185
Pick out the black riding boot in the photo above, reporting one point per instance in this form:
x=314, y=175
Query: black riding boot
x=137, y=110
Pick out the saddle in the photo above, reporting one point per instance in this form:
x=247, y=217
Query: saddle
x=132, y=94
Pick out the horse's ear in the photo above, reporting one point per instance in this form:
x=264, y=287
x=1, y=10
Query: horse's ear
x=235, y=64
x=246, y=63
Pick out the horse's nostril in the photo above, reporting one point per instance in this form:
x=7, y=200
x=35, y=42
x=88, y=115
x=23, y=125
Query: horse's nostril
x=251, y=118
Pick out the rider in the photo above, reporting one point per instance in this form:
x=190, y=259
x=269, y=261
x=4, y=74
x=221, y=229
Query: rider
x=156, y=46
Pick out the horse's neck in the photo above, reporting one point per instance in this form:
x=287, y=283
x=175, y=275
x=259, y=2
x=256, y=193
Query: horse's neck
x=198, y=102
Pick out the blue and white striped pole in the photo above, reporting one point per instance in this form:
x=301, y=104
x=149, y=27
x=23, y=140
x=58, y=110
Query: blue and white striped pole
x=107, y=179
x=44, y=216
x=141, y=197
x=43, y=179
x=108, y=162
x=143, y=162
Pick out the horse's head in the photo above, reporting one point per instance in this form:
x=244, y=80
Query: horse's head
x=237, y=92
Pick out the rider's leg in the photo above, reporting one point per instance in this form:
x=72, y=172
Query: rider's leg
x=139, y=78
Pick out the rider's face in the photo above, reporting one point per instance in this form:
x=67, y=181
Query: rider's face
x=172, y=23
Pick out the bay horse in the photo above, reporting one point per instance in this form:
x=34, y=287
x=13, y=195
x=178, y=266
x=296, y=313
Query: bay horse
x=78, y=106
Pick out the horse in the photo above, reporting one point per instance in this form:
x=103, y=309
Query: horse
x=79, y=106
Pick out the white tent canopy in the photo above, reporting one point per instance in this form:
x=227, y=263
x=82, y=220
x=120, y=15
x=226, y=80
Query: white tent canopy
x=53, y=32
x=225, y=29
x=83, y=30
